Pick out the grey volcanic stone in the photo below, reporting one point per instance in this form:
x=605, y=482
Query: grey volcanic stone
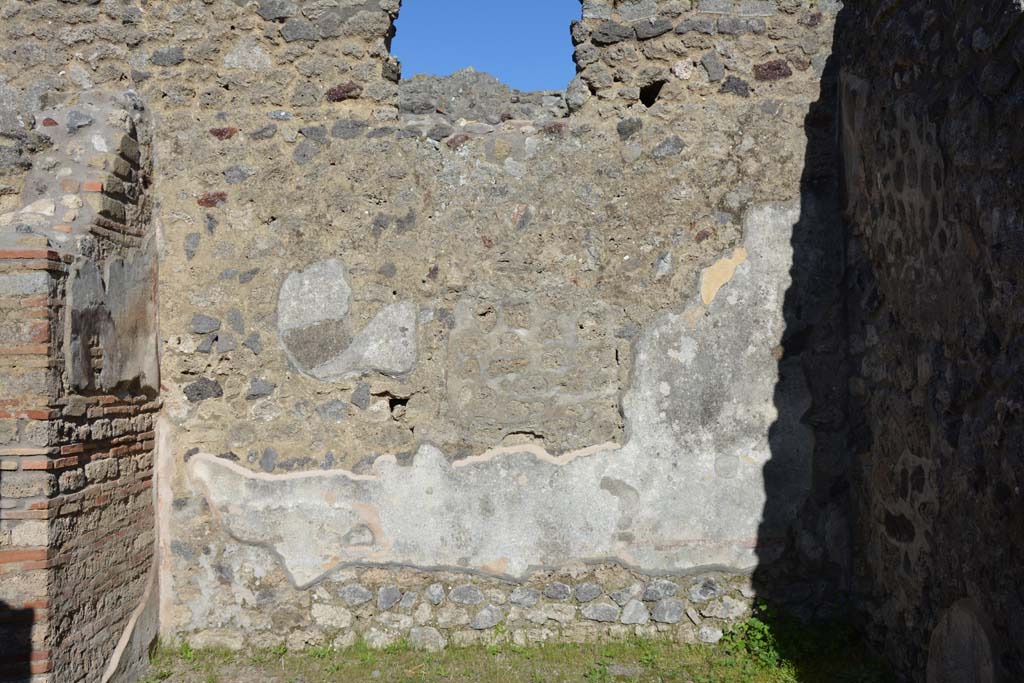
x=192, y=240
x=268, y=460
x=277, y=9
x=355, y=595
x=435, y=593
x=662, y=588
x=346, y=129
x=466, y=594
x=652, y=28
x=171, y=56
x=577, y=94
x=408, y=601
x=427, y=638
x=335, y=411
x=258, y=388
x=525, y=597
x=265, y=133
x=361, y=396
x=305, y=151
x=736, y=86
x=705, y=589
x=557, y=591
x=601, y=611
x=627, y=128
x=204, y=324
x=669, y=611
x=253, y=343
x=713, y=65
x=299, y=29
x=488, y=617
x=610, y=32
x=237, y=174
x=202, y=389
x=586, y=592
x=388, y=597
x=77, y=119
x=669, y=147
x=635, y=612
x=621, y=597
x=697, y=25
x=315, y=133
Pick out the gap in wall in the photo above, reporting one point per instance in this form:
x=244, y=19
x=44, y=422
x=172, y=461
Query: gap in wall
x=525, y=44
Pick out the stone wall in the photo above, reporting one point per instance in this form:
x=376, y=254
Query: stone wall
x=932, y=120
x=438, y=333
x=79, y=387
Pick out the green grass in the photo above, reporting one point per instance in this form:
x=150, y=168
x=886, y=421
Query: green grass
x=763, y=649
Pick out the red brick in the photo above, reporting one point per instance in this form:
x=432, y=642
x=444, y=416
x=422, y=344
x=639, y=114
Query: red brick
x=92, y=186
x=8, y=556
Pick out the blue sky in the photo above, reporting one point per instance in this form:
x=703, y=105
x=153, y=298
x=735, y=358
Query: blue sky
x=525, y=43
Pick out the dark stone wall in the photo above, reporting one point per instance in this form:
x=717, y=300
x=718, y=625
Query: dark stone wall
x=932, y=120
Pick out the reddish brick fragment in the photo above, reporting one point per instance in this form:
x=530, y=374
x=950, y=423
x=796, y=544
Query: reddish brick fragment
x=345, y=91
x=49, y=123
x=212, y=199
x=223, y=133
x=92, y=186
x=457, y=140
x=556, y=129
x=775, y=70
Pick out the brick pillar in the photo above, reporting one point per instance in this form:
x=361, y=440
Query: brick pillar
x=30, y=282
x=78, y=396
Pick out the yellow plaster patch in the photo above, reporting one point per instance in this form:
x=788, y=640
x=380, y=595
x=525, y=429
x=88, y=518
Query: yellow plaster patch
x=497, y=567
x=718, y=274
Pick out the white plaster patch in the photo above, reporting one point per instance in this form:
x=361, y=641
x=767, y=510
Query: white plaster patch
x=685, y=352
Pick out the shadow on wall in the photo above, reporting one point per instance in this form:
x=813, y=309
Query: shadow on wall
x=807, y=570
x=15, y=643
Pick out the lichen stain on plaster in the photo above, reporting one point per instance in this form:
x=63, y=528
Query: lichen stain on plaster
x=719, y=274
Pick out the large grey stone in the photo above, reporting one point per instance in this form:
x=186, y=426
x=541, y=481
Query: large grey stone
x=435, y=593
x=601, y=611
x=259, y=388
x=388, y=597
x=557, y=591
x=585, y=592
x=624, y=595
x=355, y=594
x=705, y=589
x=488, y=617
x=427, y=638
x=669, y=611
x=203, y=324
x=658, y=589
x=525, y=596
x=466, y=594
x=635, y=612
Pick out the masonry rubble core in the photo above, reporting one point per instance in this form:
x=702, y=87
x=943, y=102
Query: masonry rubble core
x=735, y=315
